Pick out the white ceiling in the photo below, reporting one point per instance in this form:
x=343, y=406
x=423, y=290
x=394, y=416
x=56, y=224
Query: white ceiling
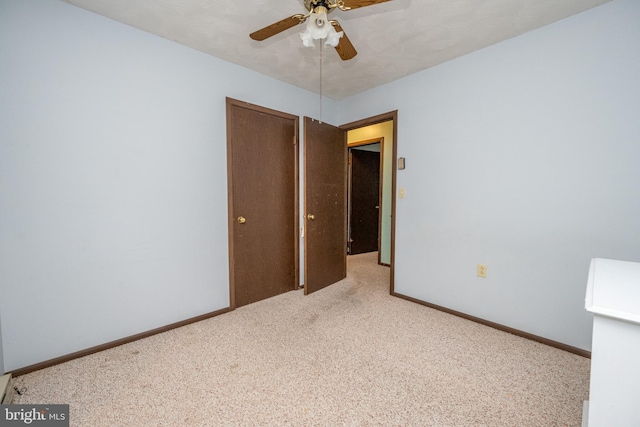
x=393, y=39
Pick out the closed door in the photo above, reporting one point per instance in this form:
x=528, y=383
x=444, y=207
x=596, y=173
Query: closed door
x=325, y=165
x=364, y=201
x=262, y=163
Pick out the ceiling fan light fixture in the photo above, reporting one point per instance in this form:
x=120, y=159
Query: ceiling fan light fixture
x=319, y=27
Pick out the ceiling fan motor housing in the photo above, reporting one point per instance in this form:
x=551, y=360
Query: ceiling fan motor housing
x=315, y=4
x=320, y=12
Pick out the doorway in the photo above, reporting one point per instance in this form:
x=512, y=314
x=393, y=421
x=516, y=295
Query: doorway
x=385, y=126
x=365, y=190
x=334, y=252
x=383, y=132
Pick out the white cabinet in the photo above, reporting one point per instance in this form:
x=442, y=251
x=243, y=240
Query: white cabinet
x=613, y=296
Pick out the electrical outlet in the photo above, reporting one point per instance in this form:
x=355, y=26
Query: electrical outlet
x=482, y=270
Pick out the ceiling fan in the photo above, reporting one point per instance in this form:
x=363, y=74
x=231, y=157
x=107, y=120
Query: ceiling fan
x=319, y=27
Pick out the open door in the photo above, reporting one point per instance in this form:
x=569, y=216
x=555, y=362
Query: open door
x=364, y=201
x=325, y=203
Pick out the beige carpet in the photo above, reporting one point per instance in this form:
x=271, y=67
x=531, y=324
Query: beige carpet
x=350, y=355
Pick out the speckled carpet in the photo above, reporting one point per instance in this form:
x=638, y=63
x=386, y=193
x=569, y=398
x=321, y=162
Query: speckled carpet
x=348, y=355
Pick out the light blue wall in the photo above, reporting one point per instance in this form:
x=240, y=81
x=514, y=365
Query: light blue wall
x=113, y=192
x=524, y=156
x=2, y=371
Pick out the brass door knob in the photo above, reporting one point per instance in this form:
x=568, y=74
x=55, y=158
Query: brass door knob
x=311, y=216
x=241, y=220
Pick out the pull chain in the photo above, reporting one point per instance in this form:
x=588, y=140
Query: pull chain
x=321, y=49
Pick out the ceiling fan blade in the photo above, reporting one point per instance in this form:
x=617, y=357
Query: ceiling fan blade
x=278, y=27
x=345, y=49
x=354, y=4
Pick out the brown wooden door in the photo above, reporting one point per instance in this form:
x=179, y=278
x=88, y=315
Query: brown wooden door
x=325, y=179
x=262, y=163
x=365, y=201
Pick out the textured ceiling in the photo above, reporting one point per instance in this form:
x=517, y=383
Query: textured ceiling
x=393, y=39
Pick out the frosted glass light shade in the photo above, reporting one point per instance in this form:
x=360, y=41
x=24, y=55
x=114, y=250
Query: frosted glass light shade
x=319, y=27
x=333, y=38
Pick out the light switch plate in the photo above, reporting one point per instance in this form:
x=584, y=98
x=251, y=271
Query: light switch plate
x=401, y=164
